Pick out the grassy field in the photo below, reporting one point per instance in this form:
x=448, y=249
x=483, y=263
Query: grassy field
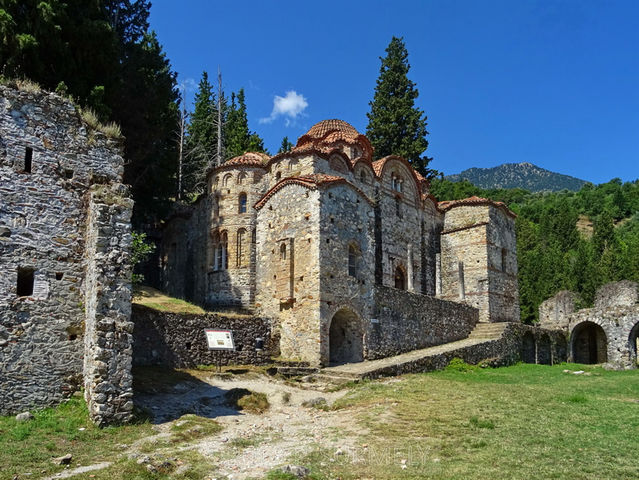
x=524, y=421
x=519, y=422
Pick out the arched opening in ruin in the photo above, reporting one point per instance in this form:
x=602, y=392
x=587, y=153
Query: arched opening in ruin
x=528, y=348
x=561, y=350
x=633, y=338
x=400, y=278
x=543, y=351
x=589, y=344
x=346, y=338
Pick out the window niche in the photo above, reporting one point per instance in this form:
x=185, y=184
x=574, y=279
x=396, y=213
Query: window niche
x=28, y=160
x=25, y=281
x=354, y=256
x=242, y=203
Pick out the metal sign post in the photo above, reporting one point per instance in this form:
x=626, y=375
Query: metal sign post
x=219, y=340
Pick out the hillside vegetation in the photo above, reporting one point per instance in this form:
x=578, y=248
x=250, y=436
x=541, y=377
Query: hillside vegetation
x=519, y=175
x=553, y=255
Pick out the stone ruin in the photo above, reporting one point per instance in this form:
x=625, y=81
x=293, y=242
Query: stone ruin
x=606, y=333
x=65, y=238
x=329, y=257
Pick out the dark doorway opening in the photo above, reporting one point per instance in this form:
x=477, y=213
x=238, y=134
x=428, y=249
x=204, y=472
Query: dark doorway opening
x=346, y=339
x=589, y=344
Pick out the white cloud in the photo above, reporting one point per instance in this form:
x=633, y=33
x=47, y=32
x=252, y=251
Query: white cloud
x=291, y=106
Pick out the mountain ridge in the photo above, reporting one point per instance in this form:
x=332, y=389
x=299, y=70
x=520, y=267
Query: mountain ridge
x=518, y=175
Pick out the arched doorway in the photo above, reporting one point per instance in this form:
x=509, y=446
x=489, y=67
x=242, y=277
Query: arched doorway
x=633, y=338
x=589, y=344
x=400, y=278
x=528, y=348
x=543, y=351
x=346, y=338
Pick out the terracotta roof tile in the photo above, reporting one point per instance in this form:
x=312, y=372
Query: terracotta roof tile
x=249, y=158
x=474, y=201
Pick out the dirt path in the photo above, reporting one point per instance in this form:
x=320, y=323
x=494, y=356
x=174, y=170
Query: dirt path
x=251, y=444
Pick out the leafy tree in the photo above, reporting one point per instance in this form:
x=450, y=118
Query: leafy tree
x=286, y=145
x=141, y=250
x=395, y=124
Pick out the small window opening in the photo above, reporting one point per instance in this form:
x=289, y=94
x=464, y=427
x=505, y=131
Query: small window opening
x=353, y=260
x=68, y=174
x=25, y=282
x=73, y=337
x=59, y=275
x=188, y=345
x=28, y=159
x=503, y=259
x=242, y=203
x=283, y=251
x=278, y=175
x=400, y=279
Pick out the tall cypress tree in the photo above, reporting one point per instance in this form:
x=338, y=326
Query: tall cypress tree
x=395, y=125
x=238, y=138
x=202, y=137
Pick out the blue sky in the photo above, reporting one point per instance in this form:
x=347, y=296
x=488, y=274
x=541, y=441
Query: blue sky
x=554, y=83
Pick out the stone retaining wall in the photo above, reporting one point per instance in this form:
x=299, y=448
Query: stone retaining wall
x=405, y=321
x=178, y=340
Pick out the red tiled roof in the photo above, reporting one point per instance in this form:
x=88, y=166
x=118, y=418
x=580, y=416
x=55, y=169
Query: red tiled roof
x=249, y=158
x=312, y=182
x=323, y=128
x=474, y=201
x=323, y=137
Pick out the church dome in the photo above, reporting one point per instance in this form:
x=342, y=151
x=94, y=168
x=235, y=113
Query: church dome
x=323, y=128
x=327, y=135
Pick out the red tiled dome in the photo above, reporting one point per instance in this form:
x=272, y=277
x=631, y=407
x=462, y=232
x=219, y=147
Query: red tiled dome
x=249, y=158
x=323, y=128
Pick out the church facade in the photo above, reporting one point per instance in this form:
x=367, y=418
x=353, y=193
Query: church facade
x=349, y=258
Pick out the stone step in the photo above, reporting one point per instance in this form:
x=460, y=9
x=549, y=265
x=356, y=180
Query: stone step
x=296, y=371
x=334, y=379
x=488, y=330
x=424, y=360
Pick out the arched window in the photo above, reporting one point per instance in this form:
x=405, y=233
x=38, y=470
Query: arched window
x=223, y=252
x=216, y=245
x=293, y=164
x=398, y=207
x=396, y=182
x=362, y=176
x=216, y=206
x=278, y=175
x=283, y=251
x=226, y=181
x=240, y=249
x=242, y=203
x=400, y=278
x=353, y=260
x=241, y=178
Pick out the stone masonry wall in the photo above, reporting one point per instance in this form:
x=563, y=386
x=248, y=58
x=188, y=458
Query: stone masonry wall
x=404, y=321
x=289, y=284
x=108, y=337
x=48, y=160
x=178, y=340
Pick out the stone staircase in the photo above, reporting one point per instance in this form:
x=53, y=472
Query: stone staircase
x=489, y=330
x=483, y=342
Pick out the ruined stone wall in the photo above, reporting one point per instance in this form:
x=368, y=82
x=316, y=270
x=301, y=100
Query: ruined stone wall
x=346, y=220
x=555, y=312
x=108, y=384
x=178, y=340
x=404, y=321
x=183, y=256
x=288, y=272
x=48, y=160
x=606, y=333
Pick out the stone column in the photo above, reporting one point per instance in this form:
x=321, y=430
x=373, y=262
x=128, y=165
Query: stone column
x=108, y=335
x=409, y=268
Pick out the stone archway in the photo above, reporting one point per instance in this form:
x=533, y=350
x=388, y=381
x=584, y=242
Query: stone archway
x=346, y=338
x=528, y=348
x=589, y=343
x=543, y=351
x=633, y=338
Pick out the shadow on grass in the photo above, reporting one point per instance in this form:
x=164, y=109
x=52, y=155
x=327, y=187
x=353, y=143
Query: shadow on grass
x=164, y=394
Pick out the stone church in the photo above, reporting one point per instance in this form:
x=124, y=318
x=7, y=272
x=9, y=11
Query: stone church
x=350, y=258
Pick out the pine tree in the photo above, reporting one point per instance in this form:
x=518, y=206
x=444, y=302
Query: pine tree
x=286, y=145
x=395, y=125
